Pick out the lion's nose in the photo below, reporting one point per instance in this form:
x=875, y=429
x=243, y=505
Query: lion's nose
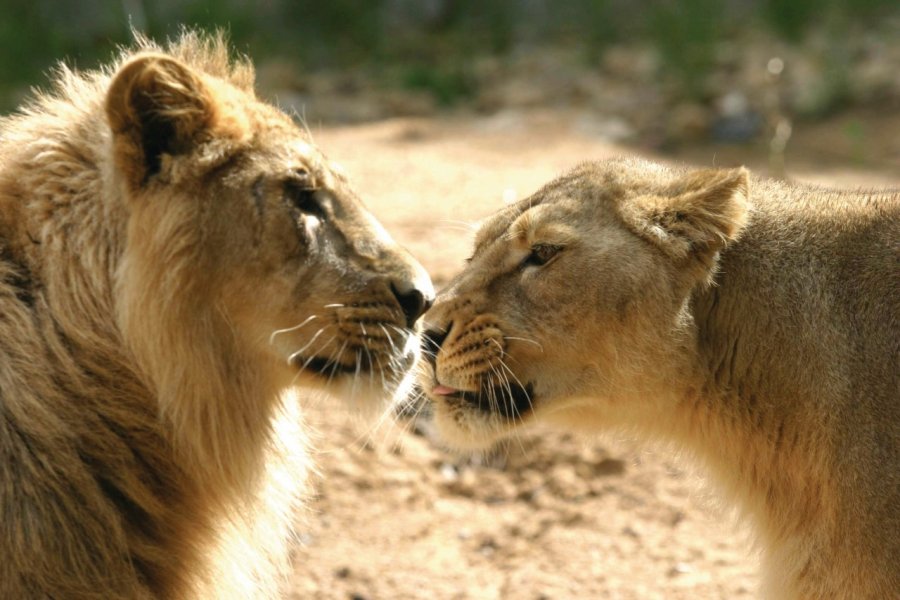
x=432, y=340
x=413, y=301
x=413, y=290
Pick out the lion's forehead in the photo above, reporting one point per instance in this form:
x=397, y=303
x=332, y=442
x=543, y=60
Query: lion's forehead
x=282, y=151
x=299, y=153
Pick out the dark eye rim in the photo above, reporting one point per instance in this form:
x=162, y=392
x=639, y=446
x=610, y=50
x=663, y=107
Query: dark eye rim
x=541, y=255
x=302, y=196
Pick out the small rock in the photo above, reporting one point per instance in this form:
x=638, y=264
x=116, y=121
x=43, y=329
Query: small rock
x=449, y=473
x=488, y=547
x=610, y=466
x=342, y=573
x=680, y=568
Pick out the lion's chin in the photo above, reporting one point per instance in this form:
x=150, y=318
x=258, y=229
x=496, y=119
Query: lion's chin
x=365, y=389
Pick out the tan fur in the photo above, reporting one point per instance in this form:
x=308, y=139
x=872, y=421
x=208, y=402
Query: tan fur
x=754, y=324
x=174, y=257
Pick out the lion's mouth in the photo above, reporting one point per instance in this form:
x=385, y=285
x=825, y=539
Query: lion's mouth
x=328, y=367
x=361, y=364
x=511, y=401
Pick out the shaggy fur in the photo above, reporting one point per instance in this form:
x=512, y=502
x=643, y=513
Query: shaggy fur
x=589, y=305
x=174, y=256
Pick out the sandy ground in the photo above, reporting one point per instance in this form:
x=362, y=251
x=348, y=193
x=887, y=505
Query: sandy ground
x=549, y=515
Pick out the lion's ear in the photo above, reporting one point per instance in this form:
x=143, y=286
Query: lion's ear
x=155, y=106
x=699, y=215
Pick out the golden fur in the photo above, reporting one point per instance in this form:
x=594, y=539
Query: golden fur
x=175, y=256
x=754, y=324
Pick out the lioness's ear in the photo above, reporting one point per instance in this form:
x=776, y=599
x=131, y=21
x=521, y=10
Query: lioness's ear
x=698, y=216
x=155, y=106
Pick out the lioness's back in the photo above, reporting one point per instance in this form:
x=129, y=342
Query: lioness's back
x=829, y=264
x=825, y=337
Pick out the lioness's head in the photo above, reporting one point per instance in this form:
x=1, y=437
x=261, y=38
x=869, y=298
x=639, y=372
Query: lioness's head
x=248, y=262
x=572, y=305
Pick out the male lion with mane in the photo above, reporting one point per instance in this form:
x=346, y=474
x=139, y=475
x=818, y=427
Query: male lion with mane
x=175, y=256
x=752, y=323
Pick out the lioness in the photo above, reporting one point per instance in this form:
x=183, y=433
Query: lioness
x=174, y=256
x=756, y=324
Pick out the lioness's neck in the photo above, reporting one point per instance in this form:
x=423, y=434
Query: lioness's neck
x=748, y=411
x=765, y=458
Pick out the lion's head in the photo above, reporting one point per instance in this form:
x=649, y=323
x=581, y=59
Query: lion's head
x=175, y=255
x=572, y=306
x=247, y=263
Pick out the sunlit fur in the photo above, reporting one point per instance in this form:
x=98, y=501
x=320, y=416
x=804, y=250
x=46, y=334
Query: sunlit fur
x=161, y=265
x=752, y=324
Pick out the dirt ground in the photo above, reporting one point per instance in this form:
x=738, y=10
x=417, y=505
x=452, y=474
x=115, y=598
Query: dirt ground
x=549, y=515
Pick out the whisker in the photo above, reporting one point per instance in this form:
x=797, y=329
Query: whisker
x=308, y=344
x=355, y=375
x=278, y=332
x=335, y=359
x=518, y=382
x=386, y=418
x=313, y=357
x=513, y=409
x=521, y=339
x=390, y=339
x=371, y=365
x=512, y=373
x=503, y=390
x=458, y=225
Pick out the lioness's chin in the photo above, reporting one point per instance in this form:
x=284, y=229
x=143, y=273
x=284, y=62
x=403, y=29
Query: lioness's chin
x=465, y=429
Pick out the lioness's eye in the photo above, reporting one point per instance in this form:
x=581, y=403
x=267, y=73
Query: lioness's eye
x=540, y=255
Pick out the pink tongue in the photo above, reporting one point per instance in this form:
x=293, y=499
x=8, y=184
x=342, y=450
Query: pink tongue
x=443, y=390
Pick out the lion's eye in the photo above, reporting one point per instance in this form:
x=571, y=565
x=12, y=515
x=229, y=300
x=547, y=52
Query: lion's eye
x=303, y=198
x=540, y=255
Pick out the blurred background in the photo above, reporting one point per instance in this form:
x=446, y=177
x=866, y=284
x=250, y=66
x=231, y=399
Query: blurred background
x=655, y=73
x=442, y=111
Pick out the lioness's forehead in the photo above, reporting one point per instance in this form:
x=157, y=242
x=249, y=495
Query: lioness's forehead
x=589, y=186
x=495, y=226
x=545, y=222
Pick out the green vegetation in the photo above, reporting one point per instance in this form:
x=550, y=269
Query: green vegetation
x=686, y=33
x=430, y=46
